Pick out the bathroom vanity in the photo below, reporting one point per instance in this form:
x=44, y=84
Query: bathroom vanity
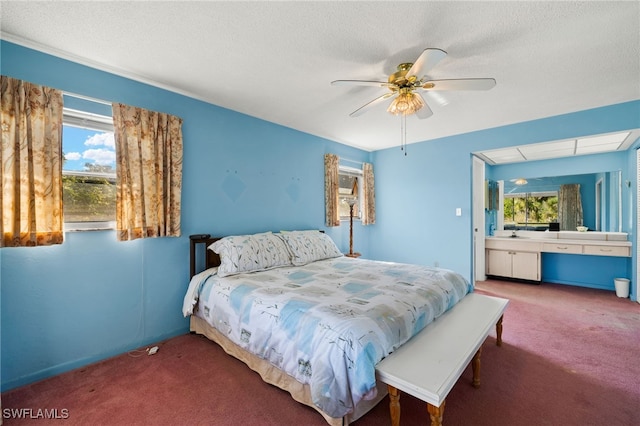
x=519, y=254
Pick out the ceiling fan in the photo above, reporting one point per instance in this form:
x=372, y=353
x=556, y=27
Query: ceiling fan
x=410, y=79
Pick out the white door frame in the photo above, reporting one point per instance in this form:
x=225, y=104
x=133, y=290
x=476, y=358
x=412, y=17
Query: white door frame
x=637, y=250
x=599, y=217
x=478, y=220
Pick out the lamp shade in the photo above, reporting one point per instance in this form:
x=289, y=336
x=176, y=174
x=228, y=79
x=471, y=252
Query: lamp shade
x=406, y=103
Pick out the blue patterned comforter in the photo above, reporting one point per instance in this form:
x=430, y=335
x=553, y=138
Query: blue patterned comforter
x=327, y=323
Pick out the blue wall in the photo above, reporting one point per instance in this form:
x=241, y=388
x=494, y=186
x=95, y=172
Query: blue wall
x=587, y=271
x=584, y=271
x=417, y=194
x=93, y=297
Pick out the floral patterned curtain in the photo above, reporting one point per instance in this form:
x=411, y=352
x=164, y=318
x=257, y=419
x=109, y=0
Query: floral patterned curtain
x=30, y=164
x=331, y=184
x=569, y=207
x=368, y=195
x=148, y=171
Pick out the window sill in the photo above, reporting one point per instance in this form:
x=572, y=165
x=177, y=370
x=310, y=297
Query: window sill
x=89, y=226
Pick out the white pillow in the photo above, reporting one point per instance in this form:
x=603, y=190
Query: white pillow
x=249, y=253
x=309, y=246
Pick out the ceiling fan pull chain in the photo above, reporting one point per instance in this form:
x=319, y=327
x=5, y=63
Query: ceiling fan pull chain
x=401, y=133
x=403, y=130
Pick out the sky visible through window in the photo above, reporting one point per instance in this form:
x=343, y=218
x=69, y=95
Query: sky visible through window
x=84, y=146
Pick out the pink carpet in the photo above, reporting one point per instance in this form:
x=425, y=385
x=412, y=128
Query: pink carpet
x=570, y=357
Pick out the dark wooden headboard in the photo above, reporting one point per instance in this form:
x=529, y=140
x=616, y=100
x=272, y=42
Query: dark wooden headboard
x=211, y=259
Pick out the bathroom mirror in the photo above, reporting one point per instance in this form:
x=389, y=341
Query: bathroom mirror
x=600, y=194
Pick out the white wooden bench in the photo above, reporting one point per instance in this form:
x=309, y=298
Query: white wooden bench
x=429, y=364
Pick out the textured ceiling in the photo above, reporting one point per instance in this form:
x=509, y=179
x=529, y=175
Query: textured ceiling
x=275, y=60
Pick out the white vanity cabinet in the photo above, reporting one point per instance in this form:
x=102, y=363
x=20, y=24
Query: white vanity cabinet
x=520, y=257
x=513, y=264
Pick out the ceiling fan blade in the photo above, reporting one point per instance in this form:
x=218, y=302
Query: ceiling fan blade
x=437, y=97
x=425, y=111
x=359, y=83
x=364, y=108
x=425, y=62
x=460, y=84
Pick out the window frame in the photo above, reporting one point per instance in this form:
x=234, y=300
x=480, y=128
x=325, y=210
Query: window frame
x=90, y=121
x=358, y=174
x=525, y=195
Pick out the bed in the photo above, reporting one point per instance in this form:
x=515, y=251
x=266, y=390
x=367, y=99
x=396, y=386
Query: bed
x=308, y=319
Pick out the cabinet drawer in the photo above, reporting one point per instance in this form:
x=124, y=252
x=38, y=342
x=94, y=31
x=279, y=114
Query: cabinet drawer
x=607, y=250
x=562, y=248
x=515, y=244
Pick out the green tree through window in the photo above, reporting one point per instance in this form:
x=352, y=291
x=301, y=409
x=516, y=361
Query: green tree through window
x=88, y=197
x=532, y=211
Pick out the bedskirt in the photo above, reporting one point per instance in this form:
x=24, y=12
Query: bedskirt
x=274, y=376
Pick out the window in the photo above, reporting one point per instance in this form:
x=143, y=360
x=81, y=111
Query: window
x=532, y=211
x=350, y=180
x=88, y=171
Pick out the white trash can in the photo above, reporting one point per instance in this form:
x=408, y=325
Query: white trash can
x=622, y=287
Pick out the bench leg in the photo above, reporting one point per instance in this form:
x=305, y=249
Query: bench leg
x=475, y=365
x=436, y=413
x=394, y=405
x=499, y=331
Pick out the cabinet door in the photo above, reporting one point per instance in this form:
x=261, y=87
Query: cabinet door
x=526, y=265
x=499, y=263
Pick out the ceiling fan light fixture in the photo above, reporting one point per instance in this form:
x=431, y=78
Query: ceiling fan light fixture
x=406, y=103
x=405, y=84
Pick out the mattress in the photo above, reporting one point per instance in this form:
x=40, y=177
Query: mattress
x=328, y=323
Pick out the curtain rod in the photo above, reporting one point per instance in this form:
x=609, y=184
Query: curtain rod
x=86, y=98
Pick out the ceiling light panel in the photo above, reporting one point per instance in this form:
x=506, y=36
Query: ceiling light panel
x=556, y=153
x=506, y=155
x=564, y=148
x=593, y=149
x=614, y=138
x=536, y=149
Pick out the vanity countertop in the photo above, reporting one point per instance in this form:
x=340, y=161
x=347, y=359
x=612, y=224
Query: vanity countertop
x=601, y=243
x=565, y=236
